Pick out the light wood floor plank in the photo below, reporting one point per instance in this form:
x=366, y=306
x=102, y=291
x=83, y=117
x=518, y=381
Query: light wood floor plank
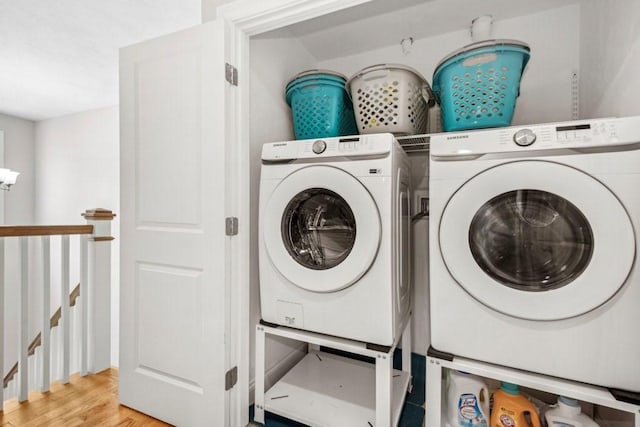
x=85, y=401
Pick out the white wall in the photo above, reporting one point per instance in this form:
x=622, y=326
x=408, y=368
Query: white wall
x=19, y=140
x=610, y=58
x=546, y=85
x=421, y=335
x=77, y=163
x=273, y=62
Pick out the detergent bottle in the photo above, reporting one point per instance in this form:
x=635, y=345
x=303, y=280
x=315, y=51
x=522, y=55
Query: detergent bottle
x=568, y=414
x=467, y=400
x=510, y=408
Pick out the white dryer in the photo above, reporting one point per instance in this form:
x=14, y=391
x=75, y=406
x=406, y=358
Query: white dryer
x=334, y=236
x=533, y=239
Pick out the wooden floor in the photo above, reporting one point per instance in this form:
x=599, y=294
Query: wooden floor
x=85, y=401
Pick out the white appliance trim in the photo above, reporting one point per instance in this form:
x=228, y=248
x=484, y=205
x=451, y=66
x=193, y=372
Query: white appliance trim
x=365, y=212
x=611, y=227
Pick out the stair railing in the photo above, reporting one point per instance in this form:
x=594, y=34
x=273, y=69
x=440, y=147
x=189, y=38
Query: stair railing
x=91, y=298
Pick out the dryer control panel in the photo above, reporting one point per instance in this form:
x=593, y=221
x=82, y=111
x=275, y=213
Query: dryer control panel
x=584, y=133
x=348, y=146
x=596, y=133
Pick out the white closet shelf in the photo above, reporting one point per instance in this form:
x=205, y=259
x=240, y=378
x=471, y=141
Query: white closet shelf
x=328, y=389
x=323, y=388
x=583, y=392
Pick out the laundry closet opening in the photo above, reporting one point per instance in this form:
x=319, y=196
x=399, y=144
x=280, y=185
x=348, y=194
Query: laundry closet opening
x=558, y=84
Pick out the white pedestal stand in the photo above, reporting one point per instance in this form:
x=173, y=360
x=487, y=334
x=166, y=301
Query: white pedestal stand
x=325, y=389
x=434, y=415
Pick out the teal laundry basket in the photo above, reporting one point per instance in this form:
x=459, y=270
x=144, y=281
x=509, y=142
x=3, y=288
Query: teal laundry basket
x=320, y=105
x=477, y=86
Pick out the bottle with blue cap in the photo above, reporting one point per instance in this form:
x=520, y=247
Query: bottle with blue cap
x=567, y=413
x=467, y=400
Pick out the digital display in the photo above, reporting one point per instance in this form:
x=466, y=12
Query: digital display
x=356, y=139
x=574, y=127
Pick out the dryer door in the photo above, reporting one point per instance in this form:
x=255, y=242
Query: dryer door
x=537, y=240
x=321, y=229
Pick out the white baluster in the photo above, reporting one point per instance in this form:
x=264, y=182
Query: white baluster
x=23, y=338
x=46, y=314
x=99, y=289
x=84, y=302
x=64, y=304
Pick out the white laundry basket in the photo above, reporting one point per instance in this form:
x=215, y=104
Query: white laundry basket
x=390, y=98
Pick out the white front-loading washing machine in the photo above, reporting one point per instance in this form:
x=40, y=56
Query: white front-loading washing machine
x=533, y=240
x=334, y=237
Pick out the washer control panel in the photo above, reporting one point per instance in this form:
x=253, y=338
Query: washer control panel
x=349, y=146
x=576, y=135
x=565, y=134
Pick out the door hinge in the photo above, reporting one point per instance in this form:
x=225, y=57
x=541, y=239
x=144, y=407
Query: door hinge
x=231, y=378
x=231, y=226
x=231, y=74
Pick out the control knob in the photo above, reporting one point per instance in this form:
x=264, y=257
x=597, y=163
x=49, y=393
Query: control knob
x=524, y=137
x=319, y=146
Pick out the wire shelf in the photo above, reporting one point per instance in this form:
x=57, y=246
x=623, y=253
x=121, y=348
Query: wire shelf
x=415, y=143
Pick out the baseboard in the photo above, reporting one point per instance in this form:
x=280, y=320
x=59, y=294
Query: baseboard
x=277, y=371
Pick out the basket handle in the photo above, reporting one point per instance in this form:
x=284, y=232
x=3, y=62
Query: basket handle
x=484, y=58
x=375, y=75
x=428, y=95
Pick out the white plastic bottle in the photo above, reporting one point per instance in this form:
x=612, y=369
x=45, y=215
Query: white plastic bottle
x=568, y=414
x=467, y=400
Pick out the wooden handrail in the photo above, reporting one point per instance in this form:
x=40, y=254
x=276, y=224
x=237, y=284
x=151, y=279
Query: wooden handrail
x=43, y=230
x=37, y=341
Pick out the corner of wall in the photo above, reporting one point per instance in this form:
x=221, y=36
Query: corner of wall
x=609, y=58
x=209, y=8
x=19, y=154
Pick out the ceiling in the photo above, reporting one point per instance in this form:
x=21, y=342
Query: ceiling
x=61, y=57
x=395, y=20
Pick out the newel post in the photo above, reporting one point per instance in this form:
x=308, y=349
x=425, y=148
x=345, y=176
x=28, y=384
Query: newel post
x=99, y=289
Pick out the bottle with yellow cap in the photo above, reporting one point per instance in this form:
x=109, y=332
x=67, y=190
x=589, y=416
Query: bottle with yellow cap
x=511, y=409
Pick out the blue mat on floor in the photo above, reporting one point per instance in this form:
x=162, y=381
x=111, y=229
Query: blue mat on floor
x=418, y=371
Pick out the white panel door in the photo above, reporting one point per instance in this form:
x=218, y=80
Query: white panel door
x=173, y=355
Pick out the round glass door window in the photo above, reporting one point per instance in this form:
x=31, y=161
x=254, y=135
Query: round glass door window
x=537, y=240
x=318, y=229
x=531, y=240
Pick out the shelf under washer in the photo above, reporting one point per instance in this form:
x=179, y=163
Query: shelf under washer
x=324, y=388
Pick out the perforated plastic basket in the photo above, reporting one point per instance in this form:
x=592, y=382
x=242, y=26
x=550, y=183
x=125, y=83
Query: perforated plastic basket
x=320, y=105
x=390, y=98
x=477, y=86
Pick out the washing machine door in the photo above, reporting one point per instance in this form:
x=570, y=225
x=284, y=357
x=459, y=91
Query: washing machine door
x=537, y=240
x=321, y=229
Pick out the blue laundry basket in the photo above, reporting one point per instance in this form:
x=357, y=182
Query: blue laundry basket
x=478, y=85
x=320, y=105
